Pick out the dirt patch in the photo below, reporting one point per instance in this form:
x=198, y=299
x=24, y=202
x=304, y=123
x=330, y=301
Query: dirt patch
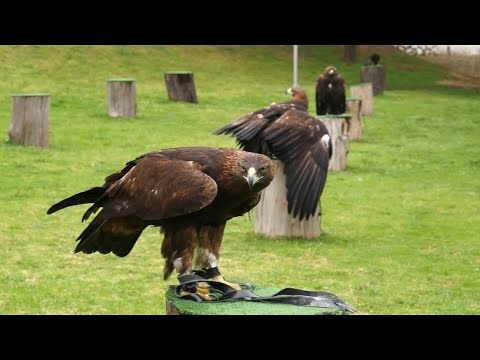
x=462, y=70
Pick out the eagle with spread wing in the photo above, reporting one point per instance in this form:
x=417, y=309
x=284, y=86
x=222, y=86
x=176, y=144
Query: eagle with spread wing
x=330, y=93
x=189, y=192
x=287, y=132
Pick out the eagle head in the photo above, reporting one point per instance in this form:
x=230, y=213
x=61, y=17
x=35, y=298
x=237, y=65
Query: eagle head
x=330, y=70
x=256, y=169
x=298, y=94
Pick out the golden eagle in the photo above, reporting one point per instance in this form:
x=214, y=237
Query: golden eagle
x=330, y=93
x=375, y=58
x=286, y=131
x=190, y=192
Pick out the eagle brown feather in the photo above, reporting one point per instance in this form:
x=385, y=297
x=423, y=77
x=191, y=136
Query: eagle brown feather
x=294, y=137
x=189, y=192
x=330, y=93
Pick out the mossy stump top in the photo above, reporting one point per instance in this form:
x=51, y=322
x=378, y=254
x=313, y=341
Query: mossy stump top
x=121, y=79
x=190, y=307
x=332, y=116
x=31, y=94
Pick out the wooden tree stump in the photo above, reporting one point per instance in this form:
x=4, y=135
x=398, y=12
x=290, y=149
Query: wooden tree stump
x=365, y=92
x=376, y=75
x=354, y=106
x=180, y=86
x=271, y=215
x=338, y=128
x=178, y=306
x=121, y=98
x=30, y=119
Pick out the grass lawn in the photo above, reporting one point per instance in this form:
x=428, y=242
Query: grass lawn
x=400, y=227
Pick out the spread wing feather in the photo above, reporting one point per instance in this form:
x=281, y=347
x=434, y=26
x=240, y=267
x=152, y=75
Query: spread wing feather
x=248, y=129
x=295, y=139
x=157, y=187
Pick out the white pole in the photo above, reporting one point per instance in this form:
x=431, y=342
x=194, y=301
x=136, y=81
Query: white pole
x=295, y=65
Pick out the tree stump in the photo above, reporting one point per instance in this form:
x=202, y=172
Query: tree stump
x=121, y=101
x=178, y=306
x=365, y=92
x=376, y=75
x=271, y=215
x=338, y=128
x=180, y=86
x=30, y=119
x=354, y=106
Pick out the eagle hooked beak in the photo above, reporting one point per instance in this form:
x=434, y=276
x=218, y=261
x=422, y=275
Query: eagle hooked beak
x=252, y=177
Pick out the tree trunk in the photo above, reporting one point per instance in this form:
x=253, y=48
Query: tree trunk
x=338, y=128
x=374, y=74
x=271, y=215
x=180, y=86
x=354, y=108
x=349, y=53
x=121, y=100
x=30, y=119
x=365, y=92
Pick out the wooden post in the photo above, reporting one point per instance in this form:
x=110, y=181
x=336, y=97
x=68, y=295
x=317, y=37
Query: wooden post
x=30, y=119
x=365, y=92
x=271, y=216
x=354, y=106
x=180, y=86
x=121, y=100
x=178, y=306
x=338, y=128
x=376, y=75
x=349, y=53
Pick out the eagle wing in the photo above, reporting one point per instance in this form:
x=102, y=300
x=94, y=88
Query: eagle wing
x=247, y=130
x=296, y=139
x=157, y=187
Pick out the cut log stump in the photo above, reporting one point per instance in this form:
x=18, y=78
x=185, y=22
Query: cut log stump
x=374, y=74
x=338, y=127
x=121, y=98
x=181, y=86
x=354, y=107
x=178, y=306
x=30, y=119
x=271, y=214
x=365, y=92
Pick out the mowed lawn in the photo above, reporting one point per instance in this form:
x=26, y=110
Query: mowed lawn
x=400, y=227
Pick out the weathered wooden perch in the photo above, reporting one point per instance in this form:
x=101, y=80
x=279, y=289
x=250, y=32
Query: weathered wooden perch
x=121, y=101
x=30, y=119
x=271, y=215
x=180, y=86
x=178, y=306
x=338, y=127
x=374, y=74
x=365, y=92
x=354, y=107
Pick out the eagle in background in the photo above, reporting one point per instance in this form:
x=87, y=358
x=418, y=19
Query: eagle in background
x=190, y=192
x=375, y=58
x=287, y=132
x=330, y=93
x=249, y=129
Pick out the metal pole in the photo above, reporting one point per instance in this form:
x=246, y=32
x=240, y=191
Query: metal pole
x=295, y=65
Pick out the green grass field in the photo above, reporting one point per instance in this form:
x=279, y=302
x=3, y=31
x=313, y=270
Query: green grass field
x=400, y=227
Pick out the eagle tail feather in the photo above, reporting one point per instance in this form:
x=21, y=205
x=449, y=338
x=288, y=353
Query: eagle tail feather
x=97, y=237
x=85, y=197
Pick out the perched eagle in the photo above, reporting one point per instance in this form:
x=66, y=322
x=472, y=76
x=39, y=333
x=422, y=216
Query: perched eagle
x=286, y=131
x=330, y=93
x=375, y=58
x=249, y=129
x=189, y=192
